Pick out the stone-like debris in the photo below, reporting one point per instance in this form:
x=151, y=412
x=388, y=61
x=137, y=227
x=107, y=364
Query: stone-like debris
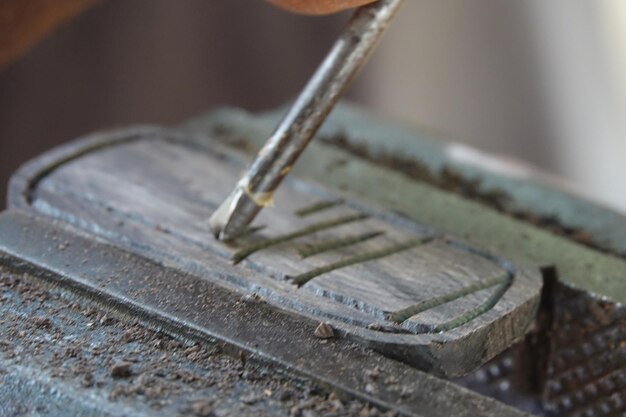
x=121, y=369
x=324, y=331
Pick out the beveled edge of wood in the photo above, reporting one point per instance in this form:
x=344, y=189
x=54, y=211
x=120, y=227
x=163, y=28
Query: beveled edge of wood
x=430, y=351
x=339, y=364
x=25, y=179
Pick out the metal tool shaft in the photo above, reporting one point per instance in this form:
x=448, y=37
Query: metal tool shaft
x=282, y=149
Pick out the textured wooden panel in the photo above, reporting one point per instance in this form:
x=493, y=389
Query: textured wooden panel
x=377, y=276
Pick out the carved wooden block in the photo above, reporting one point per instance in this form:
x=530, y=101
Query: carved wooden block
x=400, y=287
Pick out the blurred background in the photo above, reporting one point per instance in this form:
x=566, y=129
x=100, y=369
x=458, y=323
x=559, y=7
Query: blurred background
x=543, y=81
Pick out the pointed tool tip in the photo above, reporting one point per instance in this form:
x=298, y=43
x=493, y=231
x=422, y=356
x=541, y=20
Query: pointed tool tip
x=227, y=221
x=218, y=222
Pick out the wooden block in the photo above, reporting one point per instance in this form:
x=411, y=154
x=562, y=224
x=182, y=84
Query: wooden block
x=398, y=286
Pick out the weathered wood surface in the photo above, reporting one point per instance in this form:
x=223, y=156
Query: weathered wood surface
x=404, y=288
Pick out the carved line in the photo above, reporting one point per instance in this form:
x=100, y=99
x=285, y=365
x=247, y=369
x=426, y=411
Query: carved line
x=305, y=277
x=246, y=251
x=475, y=312
x=342, y=242
x=317, y=207
x=404, y=314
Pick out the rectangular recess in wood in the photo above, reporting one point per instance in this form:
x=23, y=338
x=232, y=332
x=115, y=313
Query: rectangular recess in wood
x=398, y=286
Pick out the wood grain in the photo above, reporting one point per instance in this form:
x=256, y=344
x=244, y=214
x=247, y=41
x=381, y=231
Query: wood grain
x=154, y=196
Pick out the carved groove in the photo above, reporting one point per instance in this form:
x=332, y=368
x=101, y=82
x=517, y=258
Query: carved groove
x=301, y=279
x=338, y=243
x=317, y=207
x=475, y=312
x=400, y=316
x=246, y=251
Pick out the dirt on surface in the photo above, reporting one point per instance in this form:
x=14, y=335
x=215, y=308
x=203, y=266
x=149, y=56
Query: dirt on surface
x=113, y=358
